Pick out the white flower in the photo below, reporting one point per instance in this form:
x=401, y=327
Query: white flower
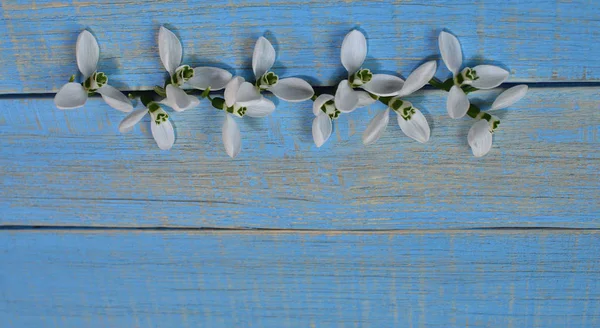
x=480, y=138
x=412, y=122
x=353, y=54
x=290, y=89
x=480, y=77
x=241, y=98
x=74, y=95
x=480, y=134
x=509, y=96
x=325, y=111
x=202, y=78
x=161, y=127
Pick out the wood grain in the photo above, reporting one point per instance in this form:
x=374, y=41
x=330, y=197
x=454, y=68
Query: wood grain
x=461, y=279
x=538, y=40
x=73, y=167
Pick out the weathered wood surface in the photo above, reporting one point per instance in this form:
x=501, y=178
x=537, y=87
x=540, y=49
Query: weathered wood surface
x=74, y=168
x=458, y=279
x=538, y=40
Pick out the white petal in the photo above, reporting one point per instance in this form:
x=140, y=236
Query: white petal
x=87, y=52
x=457, y=103
x=451, y=52
x=231, y=136
x=179, y=100
x=416, y=128
x=418, y=78
x=263, y=57
x=247, y=95
x=163, y=134
x=319, y=102
x=510, y=96
x=384, y=85
x=71, y=95
x=489, y=76
x=480, y=138
x=364, y=99
x=346, y=99
x=115, y=98
x=292, y=89
x=354, y=51
x=213, y=77
x=132, y=119
x=321, y=129
x=376, y=127
x=261, y=109
x=169, y=49
x=231, y=90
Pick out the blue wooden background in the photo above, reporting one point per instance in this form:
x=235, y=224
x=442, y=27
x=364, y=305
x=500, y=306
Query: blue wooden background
x=100, y=229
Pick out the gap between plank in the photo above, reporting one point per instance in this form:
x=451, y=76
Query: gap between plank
x=330, y=90
x=75, y=228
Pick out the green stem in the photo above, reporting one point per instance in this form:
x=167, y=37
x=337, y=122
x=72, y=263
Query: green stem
x=446, y=85
x=385, y=100
x=473, y=111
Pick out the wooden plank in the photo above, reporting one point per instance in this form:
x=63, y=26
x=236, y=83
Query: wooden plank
x=459, y=279
x=537, y=40
x=73, y=167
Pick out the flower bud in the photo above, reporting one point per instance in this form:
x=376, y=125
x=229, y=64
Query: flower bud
x=466, y=77
x=269, y=79
x=182, y=74
x=158, y=114
x=361, y=77
x=329, y=109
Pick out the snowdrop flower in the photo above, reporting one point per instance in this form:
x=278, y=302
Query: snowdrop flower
x=202, y=78
x=412, y=122
x=289, y=89
x=241, y=98
x=479, y=77
x=480, y=134
x=325, y=112
x=161, y=127
x=353, y=54
x=74, y=95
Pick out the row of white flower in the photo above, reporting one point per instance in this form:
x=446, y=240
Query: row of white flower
x=242, y=98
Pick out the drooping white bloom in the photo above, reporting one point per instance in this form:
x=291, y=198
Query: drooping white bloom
x=162, y=129
x=202, y=78
x=480, y=138
x=289, y=89
x=241, y=98
x=353, y=54
x=480, y=77
x=324, y=111
x=480, y=134
x=411, y=121
x=74, y=95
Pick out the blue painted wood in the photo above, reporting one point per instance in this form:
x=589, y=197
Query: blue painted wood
x=73, y=167
x=457, y=279
x=538, y=40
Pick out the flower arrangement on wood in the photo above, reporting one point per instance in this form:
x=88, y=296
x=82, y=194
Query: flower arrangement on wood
x=327, y=108
x=242, y=98
x=470, y=80
x=74, y=95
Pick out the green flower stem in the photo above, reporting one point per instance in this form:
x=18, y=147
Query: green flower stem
x=385, y=100
x=446, y=85
x=473, y=111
